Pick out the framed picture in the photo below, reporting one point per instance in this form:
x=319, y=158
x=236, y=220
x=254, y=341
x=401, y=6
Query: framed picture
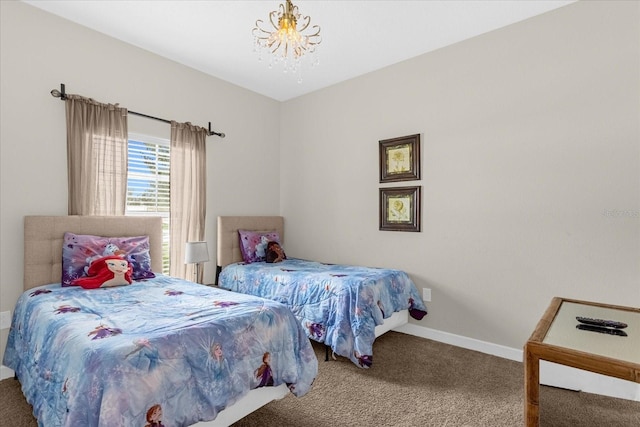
x=400, y=208
x=400, y=159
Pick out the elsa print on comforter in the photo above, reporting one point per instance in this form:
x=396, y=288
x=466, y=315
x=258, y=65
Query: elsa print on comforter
x=339, y=305
x=161, y=352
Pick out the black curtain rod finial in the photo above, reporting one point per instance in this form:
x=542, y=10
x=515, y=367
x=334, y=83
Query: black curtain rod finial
x=59, y=93
x=211, y=132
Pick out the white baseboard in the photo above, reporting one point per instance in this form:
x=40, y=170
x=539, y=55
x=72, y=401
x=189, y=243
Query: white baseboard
x=460, y=341
x=5, y=372
x=551, y=374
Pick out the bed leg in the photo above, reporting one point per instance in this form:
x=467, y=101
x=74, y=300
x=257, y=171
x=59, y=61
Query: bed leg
x=326, y=353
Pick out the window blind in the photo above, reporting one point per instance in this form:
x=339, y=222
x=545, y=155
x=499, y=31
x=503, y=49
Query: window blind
x=148, y=183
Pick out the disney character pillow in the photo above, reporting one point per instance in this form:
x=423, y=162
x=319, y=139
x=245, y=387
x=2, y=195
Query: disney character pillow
x=253, y=244
x=112, y=270
x=80, y=250
x=275, y=253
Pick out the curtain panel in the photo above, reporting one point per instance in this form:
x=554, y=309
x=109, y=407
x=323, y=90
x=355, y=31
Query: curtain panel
x=188, y=194
x=96, y=156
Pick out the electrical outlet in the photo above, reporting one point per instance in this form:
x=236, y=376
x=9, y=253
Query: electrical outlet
x=426, y=294
x=5, y=320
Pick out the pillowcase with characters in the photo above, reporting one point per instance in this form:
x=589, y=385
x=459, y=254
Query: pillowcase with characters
x=253, y=244
x=111, y=270
x=79, y=251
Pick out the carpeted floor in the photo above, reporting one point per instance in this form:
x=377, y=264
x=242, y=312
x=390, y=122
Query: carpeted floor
x=413, y=382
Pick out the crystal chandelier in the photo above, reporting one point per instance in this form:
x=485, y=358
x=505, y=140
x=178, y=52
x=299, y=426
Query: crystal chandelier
x=286, y=41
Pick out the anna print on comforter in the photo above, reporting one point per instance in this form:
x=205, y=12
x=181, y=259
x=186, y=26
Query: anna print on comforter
x=339, y=305
x=163, y=351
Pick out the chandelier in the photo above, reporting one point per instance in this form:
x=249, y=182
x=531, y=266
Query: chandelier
x=286, y=41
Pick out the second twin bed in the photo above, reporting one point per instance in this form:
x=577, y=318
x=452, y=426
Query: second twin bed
x=344, y=306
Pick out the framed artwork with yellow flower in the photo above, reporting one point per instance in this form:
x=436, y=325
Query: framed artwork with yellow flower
x=400, y=159
x=400, y=208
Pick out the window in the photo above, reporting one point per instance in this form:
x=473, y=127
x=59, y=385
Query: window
x=148, y=183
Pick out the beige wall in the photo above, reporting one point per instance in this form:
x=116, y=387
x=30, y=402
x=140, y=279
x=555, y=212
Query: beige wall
x=530, y=137
x=39, y=51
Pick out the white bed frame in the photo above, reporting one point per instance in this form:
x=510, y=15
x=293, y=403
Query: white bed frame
x=43, y=240
x=229, y=252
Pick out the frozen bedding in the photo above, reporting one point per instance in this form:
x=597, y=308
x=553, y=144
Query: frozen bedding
x=339, y=305
x=163, y=351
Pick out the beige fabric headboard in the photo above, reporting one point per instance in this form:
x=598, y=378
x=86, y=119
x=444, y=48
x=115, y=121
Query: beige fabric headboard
x=43, y=238
x=228, y=240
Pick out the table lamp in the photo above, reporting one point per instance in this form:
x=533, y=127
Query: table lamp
x=196, y=253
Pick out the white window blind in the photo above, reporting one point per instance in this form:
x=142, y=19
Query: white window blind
x=148, y=183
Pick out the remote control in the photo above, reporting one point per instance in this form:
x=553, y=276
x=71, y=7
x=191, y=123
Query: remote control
x=601, y=322
x=602, y=330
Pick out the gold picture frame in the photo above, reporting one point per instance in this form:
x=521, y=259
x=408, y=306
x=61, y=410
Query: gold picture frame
x=400, y=208
x=400, y=159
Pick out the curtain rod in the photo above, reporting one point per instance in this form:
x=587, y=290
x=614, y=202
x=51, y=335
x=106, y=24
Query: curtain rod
x=62, y=95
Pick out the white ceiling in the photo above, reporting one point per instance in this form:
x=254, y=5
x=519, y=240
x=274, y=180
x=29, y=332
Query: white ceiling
x=357, y=36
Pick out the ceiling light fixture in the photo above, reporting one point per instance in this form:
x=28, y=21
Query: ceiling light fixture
x=287, y=42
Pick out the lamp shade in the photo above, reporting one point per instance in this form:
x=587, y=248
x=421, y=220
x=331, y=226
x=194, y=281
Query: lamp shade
x=196, y=252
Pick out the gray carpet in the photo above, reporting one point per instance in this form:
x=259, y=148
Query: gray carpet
x=413, y=382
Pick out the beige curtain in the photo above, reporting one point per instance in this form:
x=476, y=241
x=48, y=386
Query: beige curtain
x=188, y=194
x=96, y=157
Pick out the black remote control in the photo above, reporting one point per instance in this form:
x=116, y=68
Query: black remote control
x=600, y=329
x=601, y=322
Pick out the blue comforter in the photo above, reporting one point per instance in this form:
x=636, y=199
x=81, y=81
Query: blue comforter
x=339, y=305
x=162, y=350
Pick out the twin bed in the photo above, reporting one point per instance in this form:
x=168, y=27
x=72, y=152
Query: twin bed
x=161, y=351
x=345, y=307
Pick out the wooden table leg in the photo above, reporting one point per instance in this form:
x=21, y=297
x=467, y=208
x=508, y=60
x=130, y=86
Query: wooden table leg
x=531, y=387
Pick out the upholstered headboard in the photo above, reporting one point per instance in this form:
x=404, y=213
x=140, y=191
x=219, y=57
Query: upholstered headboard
x=228, y=240
x=43, y=238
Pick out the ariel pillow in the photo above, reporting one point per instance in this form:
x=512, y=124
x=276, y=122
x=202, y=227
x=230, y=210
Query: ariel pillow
x=80, y=250
x=253, y=244
x=111, y=270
